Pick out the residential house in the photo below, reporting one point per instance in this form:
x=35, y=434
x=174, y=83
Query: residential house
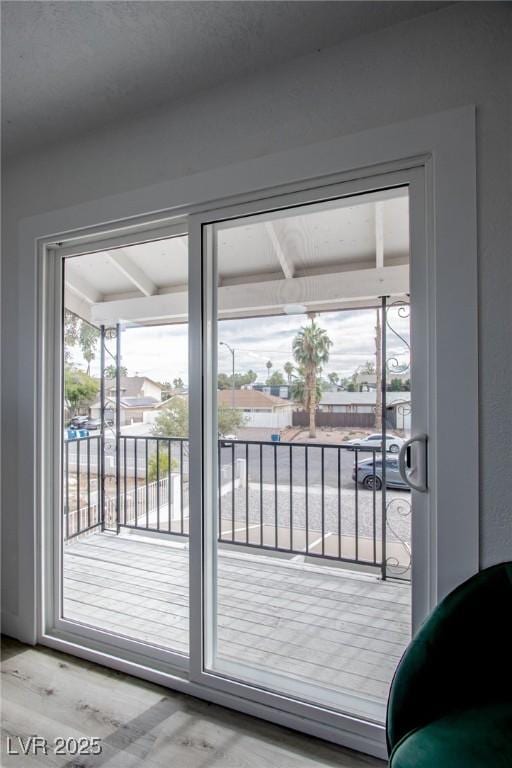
x=135, y=386
x=259, y=408
x=139, y=395
x=369, y=380
x=398, y=405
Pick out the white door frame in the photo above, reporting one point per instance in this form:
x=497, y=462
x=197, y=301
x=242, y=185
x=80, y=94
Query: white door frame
x=444, y=144
x=203, y=430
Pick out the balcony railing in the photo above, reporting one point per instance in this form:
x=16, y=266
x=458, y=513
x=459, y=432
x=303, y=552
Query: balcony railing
x=294, y=498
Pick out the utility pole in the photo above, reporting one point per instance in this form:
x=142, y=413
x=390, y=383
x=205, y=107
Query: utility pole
x=378, y=371
x=223, y=344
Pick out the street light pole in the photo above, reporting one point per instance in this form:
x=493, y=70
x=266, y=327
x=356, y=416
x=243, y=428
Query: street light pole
x=223, y=344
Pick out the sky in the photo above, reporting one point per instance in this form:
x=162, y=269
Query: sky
x=160, y=352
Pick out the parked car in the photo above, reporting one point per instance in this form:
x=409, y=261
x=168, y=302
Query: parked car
x=227, y=439
x=84, y=422
x=78, y=421
x=92, y=424
x=393, y=443
x=370, y=478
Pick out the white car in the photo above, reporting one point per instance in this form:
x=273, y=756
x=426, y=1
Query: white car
x=393, y=443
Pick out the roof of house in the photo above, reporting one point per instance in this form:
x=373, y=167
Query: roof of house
x=250, y=398
x=131, y=402
x=361, y=398
x=139, y=402
x=177, y=395
x=131, y=385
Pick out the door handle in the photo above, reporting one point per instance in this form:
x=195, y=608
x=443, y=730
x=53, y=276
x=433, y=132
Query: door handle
x=420, y=465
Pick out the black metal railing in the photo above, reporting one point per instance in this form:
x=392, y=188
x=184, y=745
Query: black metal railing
x=153, y=492
x=302, y=499
x=82, y=486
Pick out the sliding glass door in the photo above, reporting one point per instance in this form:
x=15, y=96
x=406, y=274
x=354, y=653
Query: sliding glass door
x=309, y=399
x=236, y=394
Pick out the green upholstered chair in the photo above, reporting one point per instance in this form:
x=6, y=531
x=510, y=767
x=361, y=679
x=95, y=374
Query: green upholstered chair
x=450, y=704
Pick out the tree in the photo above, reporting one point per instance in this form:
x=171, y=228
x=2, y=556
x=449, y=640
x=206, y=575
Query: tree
x=111, y=371
x=78, y=331
x=289, y=369
x=178, y=384
x=88, y=340
x=311, y=351
x=268, y=365
x=300, y=392
x=172, y=421
x=369, y=366
x=71, y=330
x=395, y=385
x=80, y=389
x=333, y=377
x=229, y=420
x=276, y=379
x=225, y=381
x=158, y=464
x=251, y=376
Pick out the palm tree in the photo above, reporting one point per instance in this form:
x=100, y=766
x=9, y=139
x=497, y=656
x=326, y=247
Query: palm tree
x=269, y=366
x=311, y=351
x=300, y=392
x=288, y=369
x=368, y=367
x=88, y=340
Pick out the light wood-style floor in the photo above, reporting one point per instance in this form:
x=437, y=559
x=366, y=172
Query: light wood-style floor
x=140, y=725
x=293, y=625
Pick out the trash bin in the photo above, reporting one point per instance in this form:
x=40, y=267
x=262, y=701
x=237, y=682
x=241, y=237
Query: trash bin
x=276, y=438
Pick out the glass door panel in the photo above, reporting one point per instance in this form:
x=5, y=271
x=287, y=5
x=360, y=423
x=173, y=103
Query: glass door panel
x=125, y=443
x=307, y=561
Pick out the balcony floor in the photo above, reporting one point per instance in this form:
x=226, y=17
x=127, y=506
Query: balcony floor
x=339, y=632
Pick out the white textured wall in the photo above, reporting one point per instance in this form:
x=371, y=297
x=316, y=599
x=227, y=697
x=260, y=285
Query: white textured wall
x=456, y=56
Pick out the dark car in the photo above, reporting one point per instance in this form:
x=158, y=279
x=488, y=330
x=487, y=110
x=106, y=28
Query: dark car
x=372, y=478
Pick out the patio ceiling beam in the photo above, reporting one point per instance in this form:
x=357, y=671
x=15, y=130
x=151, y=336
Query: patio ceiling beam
x=318, y=292
x=78, y=306
x=135, y=275
x=82, y=288
x=277, y=245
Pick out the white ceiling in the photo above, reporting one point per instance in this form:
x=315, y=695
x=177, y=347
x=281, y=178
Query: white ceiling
x=325, y=238
x=255, y=256
x=69, y=67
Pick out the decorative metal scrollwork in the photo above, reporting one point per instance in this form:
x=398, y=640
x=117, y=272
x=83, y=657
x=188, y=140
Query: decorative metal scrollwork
x=400, y=508
x=398, y=362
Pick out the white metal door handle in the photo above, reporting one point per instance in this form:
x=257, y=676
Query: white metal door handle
x=420, y=465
